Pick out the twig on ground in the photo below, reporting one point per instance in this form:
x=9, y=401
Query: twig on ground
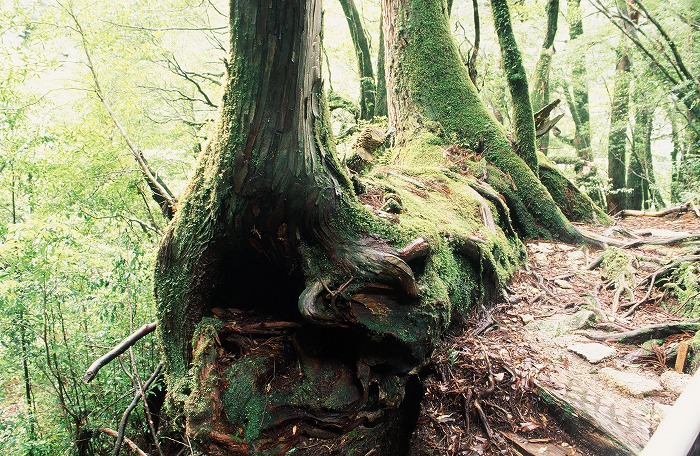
x=129, y=442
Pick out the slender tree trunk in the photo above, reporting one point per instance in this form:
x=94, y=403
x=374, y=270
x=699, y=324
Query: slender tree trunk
x=474, y=53
x=380, y=108
x=617, y=138
x=523, y=121
x=540, y=82
x=579, y=86
x=619, y=117
x=675, y=152
x=637, y=182
x=364, y=59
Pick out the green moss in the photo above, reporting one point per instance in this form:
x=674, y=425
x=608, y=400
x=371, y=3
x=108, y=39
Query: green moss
x=244, y=401
x=439, y=85
x=575, y=204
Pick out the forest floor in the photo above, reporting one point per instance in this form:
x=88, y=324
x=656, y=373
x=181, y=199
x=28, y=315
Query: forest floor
x=485, y=396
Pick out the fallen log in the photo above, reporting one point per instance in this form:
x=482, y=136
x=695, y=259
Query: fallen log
x=662, y=213
x=601, y=430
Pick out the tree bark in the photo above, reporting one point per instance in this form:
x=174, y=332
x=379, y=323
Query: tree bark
x=637, y=170
x=290, y=315
x=283, y=315
x=360, y=42
x=540, y=82
x=523, y=122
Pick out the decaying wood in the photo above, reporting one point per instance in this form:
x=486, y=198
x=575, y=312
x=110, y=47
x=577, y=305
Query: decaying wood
x=418, y=248
x=370, y=139
x=597, y=433
x=129, y=442
x=529, y=448
x=117, y=350
x=648, y=332
x=542, y=121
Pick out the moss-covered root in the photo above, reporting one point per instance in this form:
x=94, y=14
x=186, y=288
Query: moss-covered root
x=576, y=205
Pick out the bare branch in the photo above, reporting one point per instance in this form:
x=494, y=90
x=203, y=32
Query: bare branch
x=161, y=193
x=129, y=443
x=118, y=350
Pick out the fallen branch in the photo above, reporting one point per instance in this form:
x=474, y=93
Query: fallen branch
x=664, y=271
x=662, y=240
x=648, y=332
x=129, y=443
x=671, y=210
x=123, y=346
x=137, y=397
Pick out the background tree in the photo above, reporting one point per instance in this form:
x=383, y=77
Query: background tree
x=360, y=41
x=540, y=82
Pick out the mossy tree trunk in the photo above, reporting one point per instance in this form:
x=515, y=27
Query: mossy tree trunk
x=288, y=313
x=540, y=82
x=617, y=137
x=578, y=98
x=429, y=89
x=523, y=121
x=360, y=42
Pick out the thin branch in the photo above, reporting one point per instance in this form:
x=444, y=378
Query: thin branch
x=137, y=397
x=160, y=191
x=129, y=443
x=118, y=350
x=166, y=29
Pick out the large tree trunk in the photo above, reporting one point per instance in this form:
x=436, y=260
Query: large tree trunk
x=360, y=42
x=291, y=316
x=285, y=317
x=430, y=91
x=540, y=81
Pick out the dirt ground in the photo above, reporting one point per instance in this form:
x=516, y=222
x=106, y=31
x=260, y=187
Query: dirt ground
x=482, y=393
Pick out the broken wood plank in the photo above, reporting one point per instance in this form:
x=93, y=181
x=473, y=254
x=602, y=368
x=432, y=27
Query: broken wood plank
x=599, y=425
x=681, y=356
